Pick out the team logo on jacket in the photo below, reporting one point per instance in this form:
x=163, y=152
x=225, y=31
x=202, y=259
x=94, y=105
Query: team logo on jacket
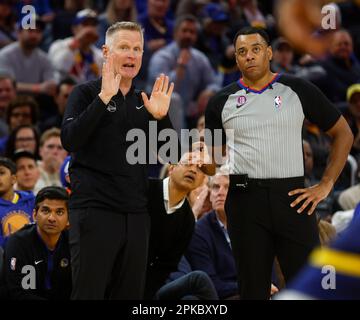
x=13, y=264
x=111, y=107
x=64, y=263
x=277, y=102
x=240, y=101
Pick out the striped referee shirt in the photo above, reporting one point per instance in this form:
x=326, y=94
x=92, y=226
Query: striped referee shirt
x=263, y=128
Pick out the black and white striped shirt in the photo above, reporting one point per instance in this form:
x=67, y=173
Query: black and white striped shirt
x=267, y=124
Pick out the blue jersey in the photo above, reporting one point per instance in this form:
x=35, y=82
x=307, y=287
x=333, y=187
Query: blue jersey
x=13, y=216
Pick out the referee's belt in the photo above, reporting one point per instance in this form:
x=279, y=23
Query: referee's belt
x=242, y=181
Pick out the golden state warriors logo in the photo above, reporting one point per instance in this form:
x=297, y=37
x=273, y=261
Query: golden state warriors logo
x=64, y=263
x=111, y=107
x=14, y=221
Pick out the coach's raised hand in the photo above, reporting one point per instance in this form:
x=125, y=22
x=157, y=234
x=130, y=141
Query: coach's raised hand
x=110, y=81
x=159, y=102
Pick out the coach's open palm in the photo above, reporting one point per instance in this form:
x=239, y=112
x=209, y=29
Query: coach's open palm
x=159, y=102
x=110, y=80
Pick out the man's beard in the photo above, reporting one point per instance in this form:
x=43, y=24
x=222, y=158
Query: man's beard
x=30, y=46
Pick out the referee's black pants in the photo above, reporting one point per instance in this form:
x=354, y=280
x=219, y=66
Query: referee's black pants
x=108, y=254
x=262, y=225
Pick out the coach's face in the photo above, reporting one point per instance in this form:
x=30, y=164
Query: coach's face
x=253, y=56
x=127, y=45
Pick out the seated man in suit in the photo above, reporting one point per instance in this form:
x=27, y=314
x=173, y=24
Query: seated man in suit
x=172, y=221
x=210, y=247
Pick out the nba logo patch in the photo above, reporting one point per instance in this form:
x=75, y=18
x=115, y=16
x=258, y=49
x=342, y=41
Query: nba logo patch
x=240, y=101
x=13, y=264
x=277, y=102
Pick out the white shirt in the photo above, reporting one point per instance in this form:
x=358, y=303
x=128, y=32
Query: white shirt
x=166, y=198
x=226, y=234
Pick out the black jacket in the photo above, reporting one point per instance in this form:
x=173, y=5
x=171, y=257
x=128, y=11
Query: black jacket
x=52, y=268
x=95, y=134
x=169, y=237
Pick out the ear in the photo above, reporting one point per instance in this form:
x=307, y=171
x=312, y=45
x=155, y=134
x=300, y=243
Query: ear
x=105, y=51
x=13, y=179
x=171, y=169
x=269, y=53
x=34, y=215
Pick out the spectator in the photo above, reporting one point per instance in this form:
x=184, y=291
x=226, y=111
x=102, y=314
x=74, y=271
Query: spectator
x=210, y=247
x=23, y=110
x=44, y=246
x=15, y=206
x=187, y=67
x=199, y=200
x=353, y=116
x=245, y=13
x=212, y=39
x=283, y=56
x=158, y=28
x=341, y=67
x=29, y=65
x=283, y=62
x=186, y=284
x=7, y=23
x=7, y=93
x=64, y=17
x=116, y=10
x=172, y=221
x=194, y=7
x=24, y=137
x=320, y=144
x=63, y=91
x=42, y=8
x=350, y=12
x=77, y=56
x=52, y=156
x=27, y=171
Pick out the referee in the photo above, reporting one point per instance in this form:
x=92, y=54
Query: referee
x=109, y=231
x=268, y=209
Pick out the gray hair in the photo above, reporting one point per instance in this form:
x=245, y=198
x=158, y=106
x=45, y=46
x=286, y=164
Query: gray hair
x=222, y=171
x=123, y=25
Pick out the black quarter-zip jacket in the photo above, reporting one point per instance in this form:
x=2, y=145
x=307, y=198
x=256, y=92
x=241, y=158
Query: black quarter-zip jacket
x=25, y=248
x=95, y=134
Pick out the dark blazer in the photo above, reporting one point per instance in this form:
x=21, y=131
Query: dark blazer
x=169, y=237
x=210, y=252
